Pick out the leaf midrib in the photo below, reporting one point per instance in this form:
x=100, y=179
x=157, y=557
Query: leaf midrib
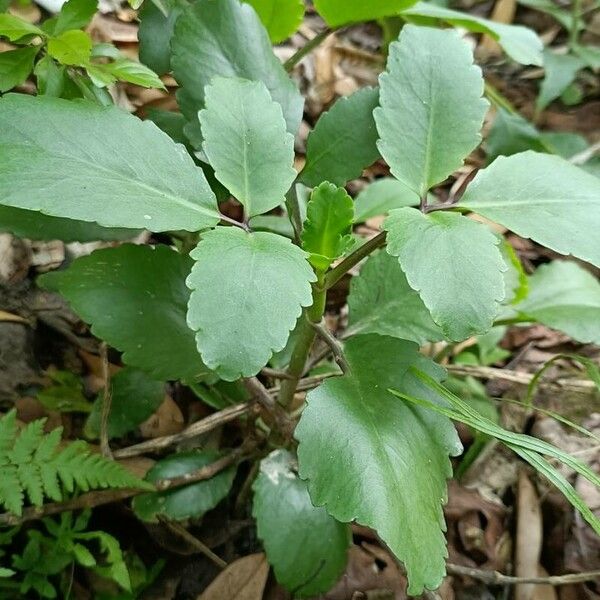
x=116, y=175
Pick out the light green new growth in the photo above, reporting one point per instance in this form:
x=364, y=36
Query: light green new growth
x=33, y=466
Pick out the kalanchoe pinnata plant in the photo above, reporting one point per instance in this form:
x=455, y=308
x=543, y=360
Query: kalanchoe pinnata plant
x=374, y=439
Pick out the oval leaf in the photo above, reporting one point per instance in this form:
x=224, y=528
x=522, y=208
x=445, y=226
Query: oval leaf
x=306, y=547
x=280, y=17
x=431, y=106
x=339, y=12
x=393, y=457
x=455, y=265
x=542, y=197
x=346, y=130
x=247, y=144
x=227, y=39
x=248, y=290
x=93, y=163
x=136, y=299
x=187, y=501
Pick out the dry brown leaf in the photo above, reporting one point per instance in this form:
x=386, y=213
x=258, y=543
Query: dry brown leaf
x=244, y=579
x=528, y=543
x=7, y=316
x=167, y=420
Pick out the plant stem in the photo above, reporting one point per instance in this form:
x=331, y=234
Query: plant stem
x=495, y=97
x=291, y=62
x=575, y=16
x=352, y=259
x=306, y=336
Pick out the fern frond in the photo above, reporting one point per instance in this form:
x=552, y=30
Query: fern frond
x=33, y=466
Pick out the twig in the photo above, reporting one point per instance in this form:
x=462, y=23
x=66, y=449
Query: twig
x=326, y=335
x=101, y=497
x=576, y=385
x=291, y=62
x=274, y=373
x=353, y=259
x=260, y=392
x=192, y=540
x=106, y=402
x=195, y=429
x=495, y=578
x=582, y=157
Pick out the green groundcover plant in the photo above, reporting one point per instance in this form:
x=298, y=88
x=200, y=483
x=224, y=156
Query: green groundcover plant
x=227, y=299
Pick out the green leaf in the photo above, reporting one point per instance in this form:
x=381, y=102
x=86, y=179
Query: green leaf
x=16, y=66
x=136, y=299
x=280, y=17
x=227, y=39
x=516, y=286
x=393, y=457
x=347, y=129
x=65, y=159
x=248, y=290
x=75, y=14
x=560, y=72
x=431, y=108
x=564, y=296
x=564, y=143
x=340, y=12
x=132, y=71
x=306, y=547
x=511, y=133
x=187, y=501
x=247, y=144
x=51, y=78
x=14, y=28
x=381, y=301
x=520, y=43
x=327, y=232
x=541, y=197
x=37, y=226
x=72, y=47
x=549, y=7
x=454, y=264
x=134, y=398
x=590, y=55
x=381, y=196
x=155, y=33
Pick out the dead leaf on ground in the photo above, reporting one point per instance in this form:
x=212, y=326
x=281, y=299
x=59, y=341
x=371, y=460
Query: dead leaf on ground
x=244, y=579
x=167, y=420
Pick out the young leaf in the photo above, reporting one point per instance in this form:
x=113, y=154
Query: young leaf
x=248, y=290
x=227, y=39
x=541, y=197
x=16, y=66
x=74, y=14
x=66, y=159
x=381, y=301
x=155, y=33
x=520, y=43
x=134, y=398
x=187, y=501
x=14, y=28
x=72, y=47
x=455, y=265
x=280, y=17
x=340, y=12
x=132, y=71
x=247, y=144
x=381, y=196
x=306, y=547
x=393, y=457
x=327, y=232
x=560, y=71
x=37, y=226
x=136, y=299
x=431, y=97
x=346, y=130
x=564, y=296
